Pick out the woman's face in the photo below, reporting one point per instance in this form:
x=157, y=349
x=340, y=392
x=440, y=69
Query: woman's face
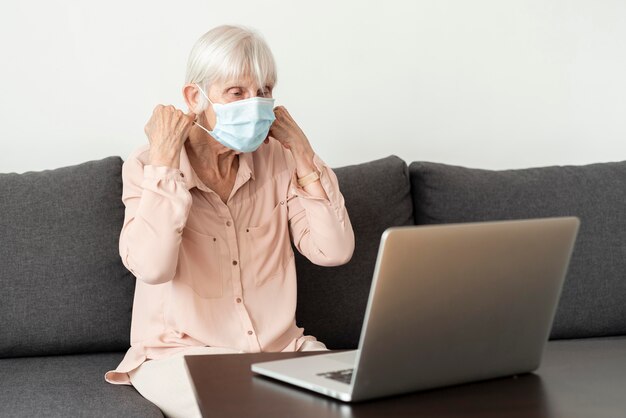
x=231, y=91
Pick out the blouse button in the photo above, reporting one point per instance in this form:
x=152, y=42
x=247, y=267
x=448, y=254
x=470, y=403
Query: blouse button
x=182, y=174
x=238, y=300
x=250, y=333
x=228, y=223
x=234, y=262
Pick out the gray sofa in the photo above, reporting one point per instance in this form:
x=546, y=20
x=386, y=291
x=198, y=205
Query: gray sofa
x=66, y=298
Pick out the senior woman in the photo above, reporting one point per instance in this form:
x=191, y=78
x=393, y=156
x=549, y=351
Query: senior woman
x=212, y=204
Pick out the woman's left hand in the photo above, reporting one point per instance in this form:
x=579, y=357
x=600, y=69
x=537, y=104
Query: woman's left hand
x=286, y=131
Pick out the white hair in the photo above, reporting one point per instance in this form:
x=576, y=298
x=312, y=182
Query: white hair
x=230, y=53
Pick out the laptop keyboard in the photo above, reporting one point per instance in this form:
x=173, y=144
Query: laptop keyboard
x=344, y=376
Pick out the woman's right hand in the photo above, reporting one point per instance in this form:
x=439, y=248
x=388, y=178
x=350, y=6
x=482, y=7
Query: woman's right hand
x=167, y=131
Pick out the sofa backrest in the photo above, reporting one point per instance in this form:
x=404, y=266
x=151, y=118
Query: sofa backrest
x=332, y=300
x=63, y=286
x=65, y=290
x=593, y=300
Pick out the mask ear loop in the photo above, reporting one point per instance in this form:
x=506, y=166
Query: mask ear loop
x=203, y=93
x=197, y=114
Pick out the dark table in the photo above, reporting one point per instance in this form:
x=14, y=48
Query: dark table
x=577, y=378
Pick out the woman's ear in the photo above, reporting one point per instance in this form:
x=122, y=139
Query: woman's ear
x=191, y=96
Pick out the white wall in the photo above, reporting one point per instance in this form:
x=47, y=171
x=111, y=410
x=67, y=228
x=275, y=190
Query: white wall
x=481, y=83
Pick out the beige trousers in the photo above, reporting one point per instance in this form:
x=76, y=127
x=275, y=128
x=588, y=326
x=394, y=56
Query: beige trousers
x=165, y=382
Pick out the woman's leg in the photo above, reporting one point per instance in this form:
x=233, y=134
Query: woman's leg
x=165, y=383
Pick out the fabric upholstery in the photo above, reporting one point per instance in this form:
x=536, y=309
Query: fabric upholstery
x=332, y=300
x=593, y=301
x=68, y=386
x=64, y=288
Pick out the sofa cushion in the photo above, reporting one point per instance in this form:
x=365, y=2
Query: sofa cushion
x=64, y=287
x=332, y=300
x=68, y=386
x=593, y=300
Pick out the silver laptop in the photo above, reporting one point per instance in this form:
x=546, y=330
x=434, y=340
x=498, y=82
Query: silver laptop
x=449, y=304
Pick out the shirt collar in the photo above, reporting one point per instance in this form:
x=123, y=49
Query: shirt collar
x=246, y=165
x=246, y=169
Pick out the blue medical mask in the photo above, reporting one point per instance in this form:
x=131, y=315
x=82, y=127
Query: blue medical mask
x=241, y=125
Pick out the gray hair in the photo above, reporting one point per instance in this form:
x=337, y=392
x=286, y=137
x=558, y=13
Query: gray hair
x=230, y=53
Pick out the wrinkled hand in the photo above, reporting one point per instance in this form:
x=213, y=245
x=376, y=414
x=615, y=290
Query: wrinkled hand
x=286, y=131
x=167, y=130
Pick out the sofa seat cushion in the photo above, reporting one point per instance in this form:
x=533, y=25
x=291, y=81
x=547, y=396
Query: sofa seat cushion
x=64, y=287
x=68, y=386
x=593, y=300
x=332, y=300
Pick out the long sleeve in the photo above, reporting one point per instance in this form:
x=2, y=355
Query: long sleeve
x=320, y=228
x=157, y=206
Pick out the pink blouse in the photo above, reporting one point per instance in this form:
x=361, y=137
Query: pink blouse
x=220, y=274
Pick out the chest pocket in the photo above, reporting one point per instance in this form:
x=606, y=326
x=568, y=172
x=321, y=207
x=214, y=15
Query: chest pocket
x=199, y=264
x=270, y=245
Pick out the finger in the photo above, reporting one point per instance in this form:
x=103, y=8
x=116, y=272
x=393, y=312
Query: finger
x=191, y=116
x=286, y=114
x=185, y=129
x=277, y=121
x=182, y=119
x=189, y=119
x=281, y=114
